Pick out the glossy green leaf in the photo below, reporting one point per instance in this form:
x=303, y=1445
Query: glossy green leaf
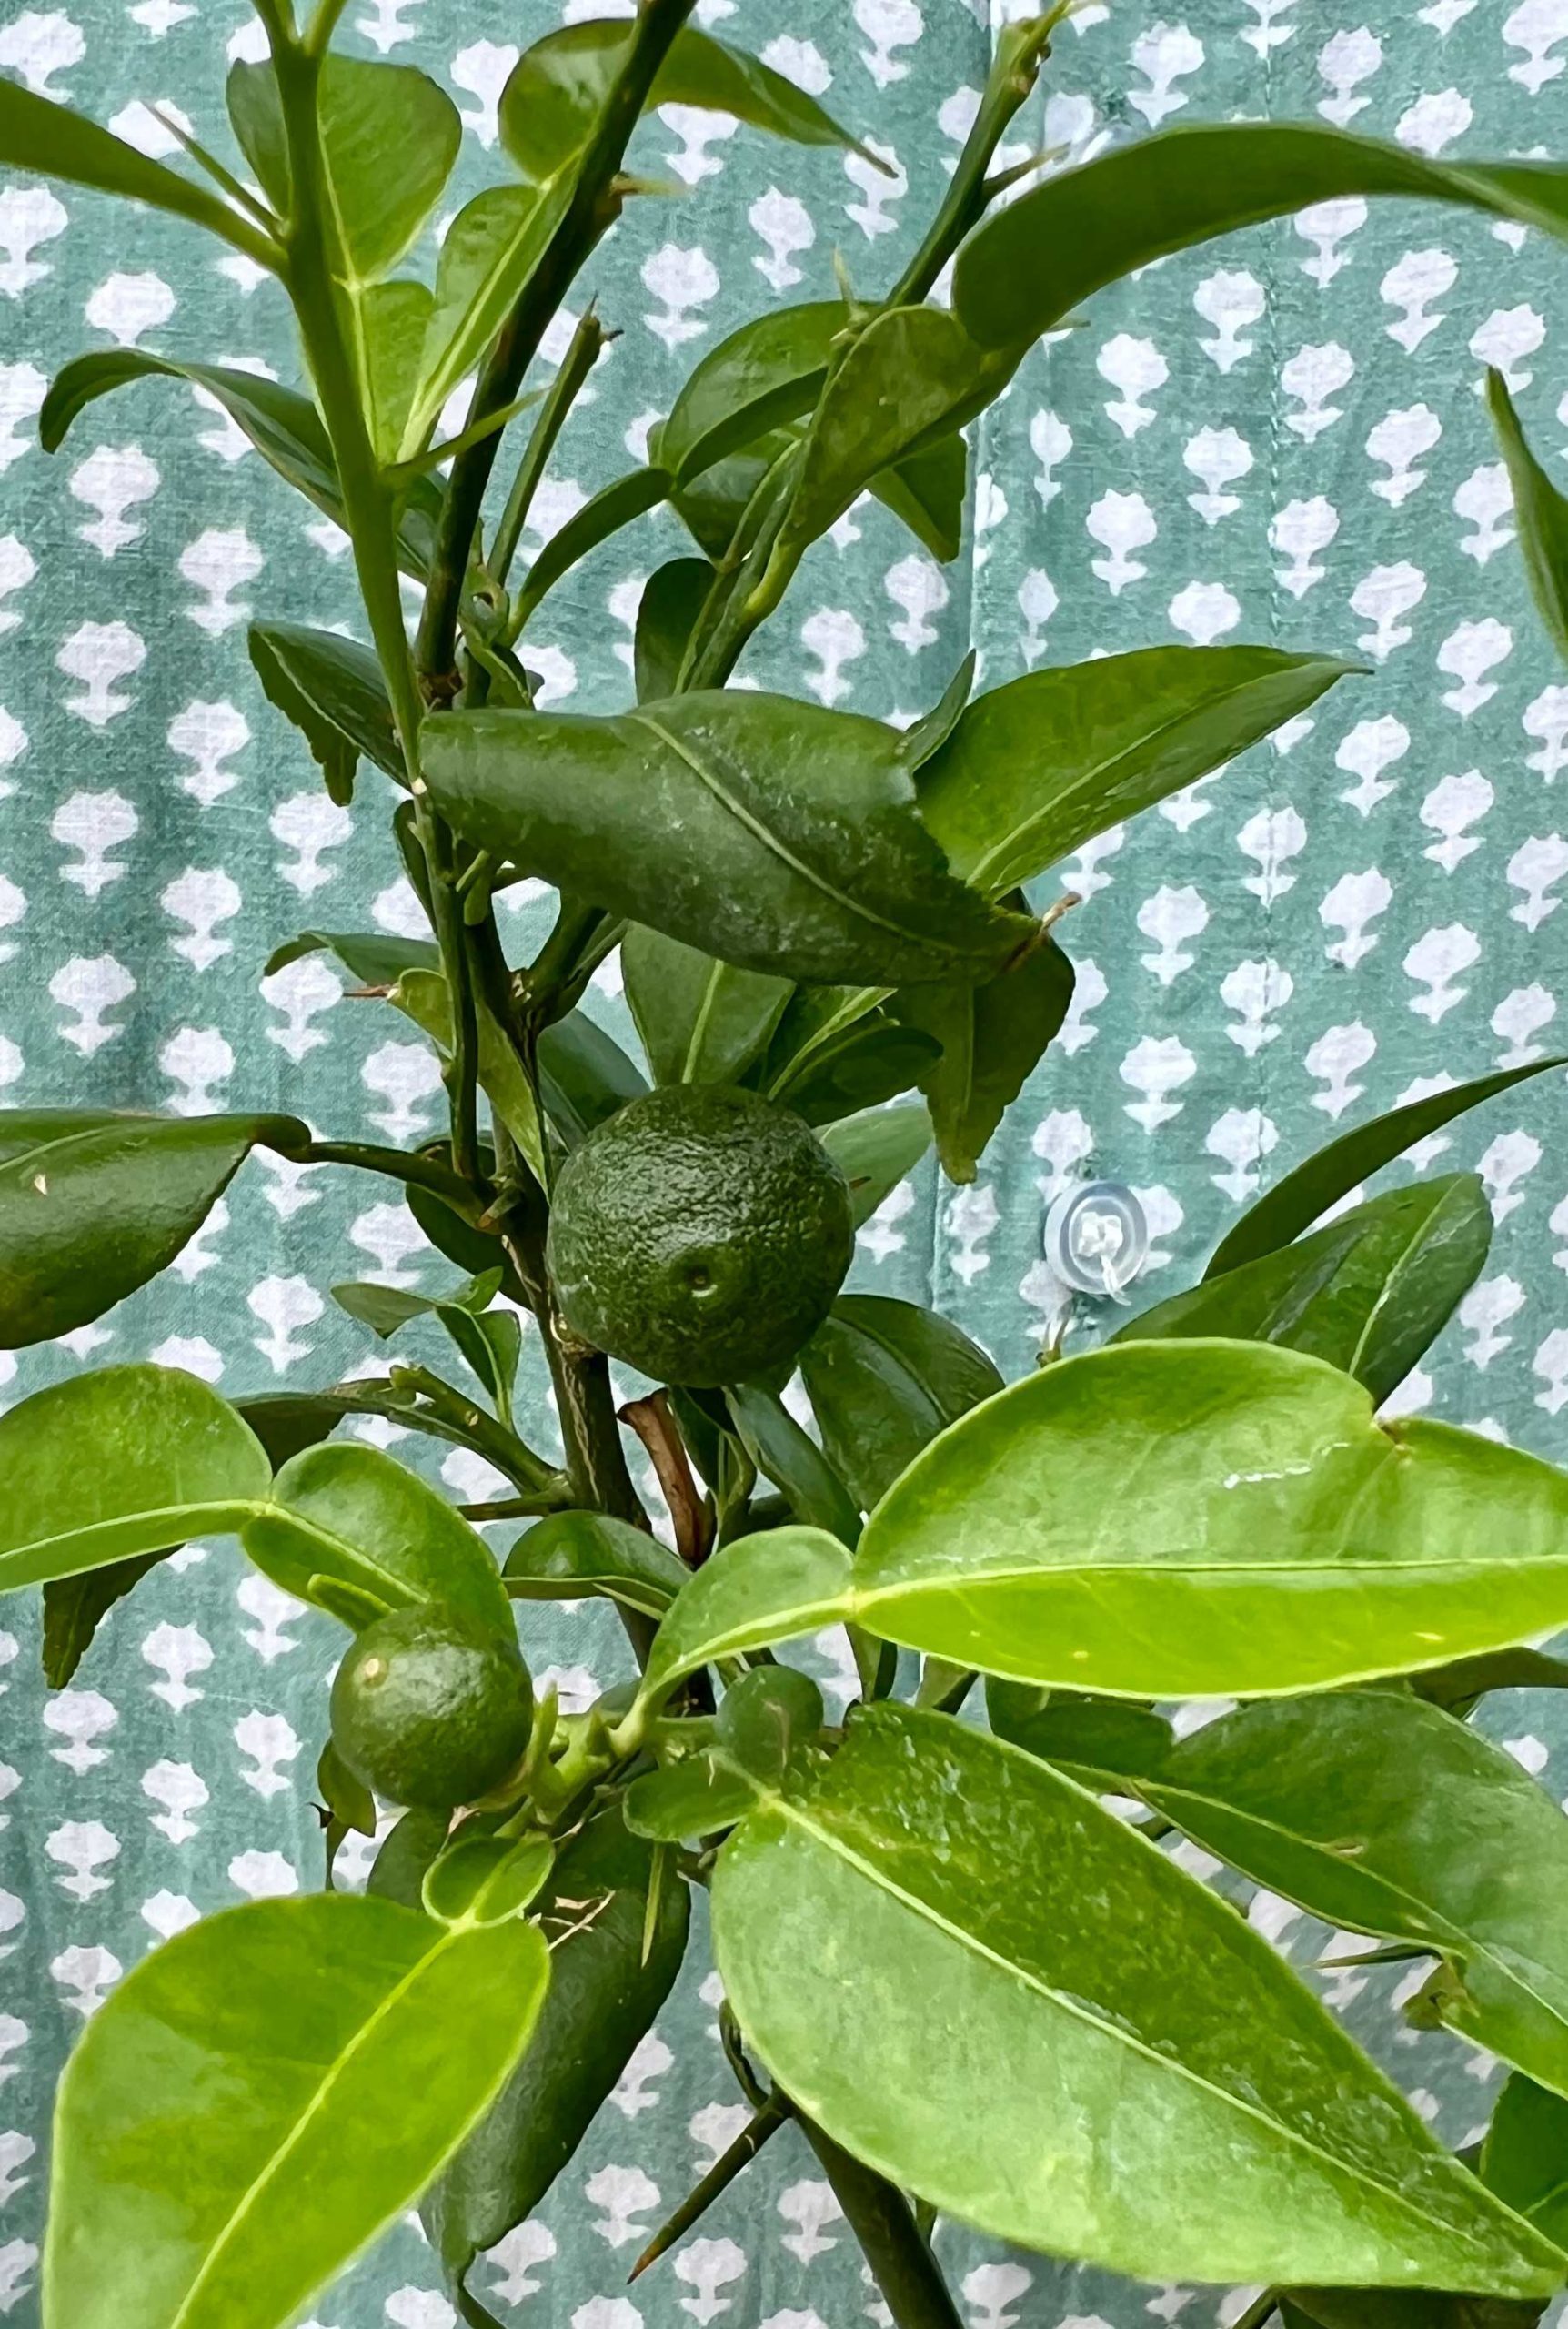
x=170, y=1459
x=711, y=506
x=615, y=504
x=386, y=1310
x=884, y=1377
x=284, y=428
x=87, y=1219
x=1293, y=1204
x=1370, y=1293
x=549, y=105
x=487, y=254
x=701, y=1795
x=1458, y=1687
x=605, y=1990
x=1034, y=768
x=1027, y=265
x=911, y=377
x=1102, y=1743
x=333, y=691
x=929, y=491
x=1524, y=2158
x=701, y=1021
x=568, y=1556
x=927, y=735
x=368, y=955
x=816, y=1023
x=211, y=2165
x=423, y=997
x=346, y=1800
x=393, y=322
x=777, y=835
x=485, y=1880
x=584, y=1075
x=351, y=1515
x=753, y=1591
x=22, y=1129
x=991, y=1038
x=1403, y=2309
x=979, y=1926
x=390, y=136
x=1542, y=512
x=876, y=1151
x=1162, y=1521
x=37, y=134
x=1383, y=1815
x=673, y=598
x=766, y=373
x=858, y=1065
x=787, y=1455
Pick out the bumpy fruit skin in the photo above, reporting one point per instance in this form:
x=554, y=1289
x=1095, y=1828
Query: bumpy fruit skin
x=699, y=1235
x=429, y=1710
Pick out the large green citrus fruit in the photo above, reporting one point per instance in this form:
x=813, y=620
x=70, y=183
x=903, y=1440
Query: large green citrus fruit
x=429, y=1709
x=701, y=1234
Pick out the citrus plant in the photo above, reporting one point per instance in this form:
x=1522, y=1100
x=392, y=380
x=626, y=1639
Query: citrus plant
x=975, y=1988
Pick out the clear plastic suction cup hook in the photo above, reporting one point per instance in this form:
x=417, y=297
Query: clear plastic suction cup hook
x=1096, y=1238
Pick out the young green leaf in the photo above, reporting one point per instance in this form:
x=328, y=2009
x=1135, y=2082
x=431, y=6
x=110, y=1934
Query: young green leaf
x=777, y=835
x=333, y=691
x=568, y=1556
x=883, y=1378
x=1305, y=1193
x=615, y=504
x=487, y=255
x=1383, y=1815
x=990, y=1039
x=1524, y=2158
x=126, y=1461
x=551, y=102
x=673, y=598
x=699, y=1796
x=984, y=1926
x=1542, y=512
x=37, y=134
x=423, y=997
x=348, y=1514
x=1370, y=1293
x=211, y=2166
x=611, y=1971
x=1034, y=768
x=701, y=1021
x=929, y=491
x=876, y=1151
x=765, y=375
x=87, y=1219
x=752, y=1592
x=370, y=956
x=1162, y=1521
x=1027, y=267
x=394, y=320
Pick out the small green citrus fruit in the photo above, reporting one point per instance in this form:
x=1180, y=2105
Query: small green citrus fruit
x=429, y=1709
x=700, y=1234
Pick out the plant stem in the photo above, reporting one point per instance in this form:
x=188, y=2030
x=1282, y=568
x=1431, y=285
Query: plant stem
x=1262, y=2310
x=398, y=1165
x=883, y=2223
x=593, y=208
x=576, y=365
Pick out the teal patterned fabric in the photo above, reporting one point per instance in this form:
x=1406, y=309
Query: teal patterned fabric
x=1278, y=439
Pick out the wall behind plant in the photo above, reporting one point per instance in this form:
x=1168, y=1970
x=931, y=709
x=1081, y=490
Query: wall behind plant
x=1278, y=439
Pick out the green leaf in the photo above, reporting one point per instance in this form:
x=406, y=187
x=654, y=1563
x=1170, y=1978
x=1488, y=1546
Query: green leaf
x=611, y=508
x=393, y=319
x=767, y=1718
x=1524, y=2158
x=991, y=1037
x=1163, y=1520
x=673, y=597
x=1369, y=1293
x=1542, y=512
x=1103, y=1743
x=789, y=1457
x=884, y=1377
x=333, y=691
x=76, y=1606
x=876, y=1151
x=701, y=1795
x=22, y=1129
x=211, y=2166
x=370, y=956
x=551, y=102
x=910, y=379
x=929, y=491
x=390, y=137
x=485, y=1880
x=169, y=1459
x=423, y=997
x=1400, y=2309
x=857, y=1066
x=779, y=836
x=712, y=504
x=37, y=134
x=87, y=1219
x=701, y=1021
x=568, y=1556
x=1383, y=1815
x=751, y=1592
x=984, y=1926
x=1033, y=769
x=584, y=1075
x=1027, y=265
x=765, y=375
x=348, y=1515
x=1293, y=1204
x=927, y=734
x=487, y=255
x=284, y=428
x=346, y=1798
x=606, y=1987
x=1457, y=1687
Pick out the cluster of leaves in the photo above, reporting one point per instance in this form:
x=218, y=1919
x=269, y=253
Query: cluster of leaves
x=975, y=1988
